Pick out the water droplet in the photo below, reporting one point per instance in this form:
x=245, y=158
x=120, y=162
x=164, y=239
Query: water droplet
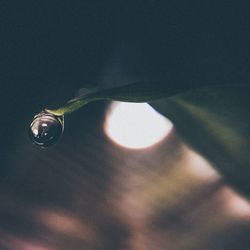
x=45, y=129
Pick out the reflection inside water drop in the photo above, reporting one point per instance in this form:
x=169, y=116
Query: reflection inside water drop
x=45, y=129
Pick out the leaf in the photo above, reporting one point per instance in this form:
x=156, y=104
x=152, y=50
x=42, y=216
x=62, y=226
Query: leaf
x=214, y=120
x=135, y=92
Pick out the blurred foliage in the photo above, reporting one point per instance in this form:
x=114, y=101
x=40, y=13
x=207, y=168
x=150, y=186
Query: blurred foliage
x=215, y=121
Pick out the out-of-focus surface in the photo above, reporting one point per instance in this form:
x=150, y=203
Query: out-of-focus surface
x=86, y=192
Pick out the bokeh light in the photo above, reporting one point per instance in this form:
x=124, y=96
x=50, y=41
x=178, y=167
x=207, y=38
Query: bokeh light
x=135, y=125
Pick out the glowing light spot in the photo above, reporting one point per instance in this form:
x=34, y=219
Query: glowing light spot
x=44, y=124
x=135, y=125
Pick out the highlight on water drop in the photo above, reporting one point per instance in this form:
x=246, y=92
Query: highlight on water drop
x=45, y=129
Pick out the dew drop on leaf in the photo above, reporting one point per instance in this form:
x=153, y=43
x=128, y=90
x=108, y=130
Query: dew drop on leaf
x=45, y=129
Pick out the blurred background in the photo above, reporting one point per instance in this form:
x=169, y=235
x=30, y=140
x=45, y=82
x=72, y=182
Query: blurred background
x=96, y=188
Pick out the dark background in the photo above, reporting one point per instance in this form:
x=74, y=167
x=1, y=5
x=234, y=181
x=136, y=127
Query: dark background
x=50, y=50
